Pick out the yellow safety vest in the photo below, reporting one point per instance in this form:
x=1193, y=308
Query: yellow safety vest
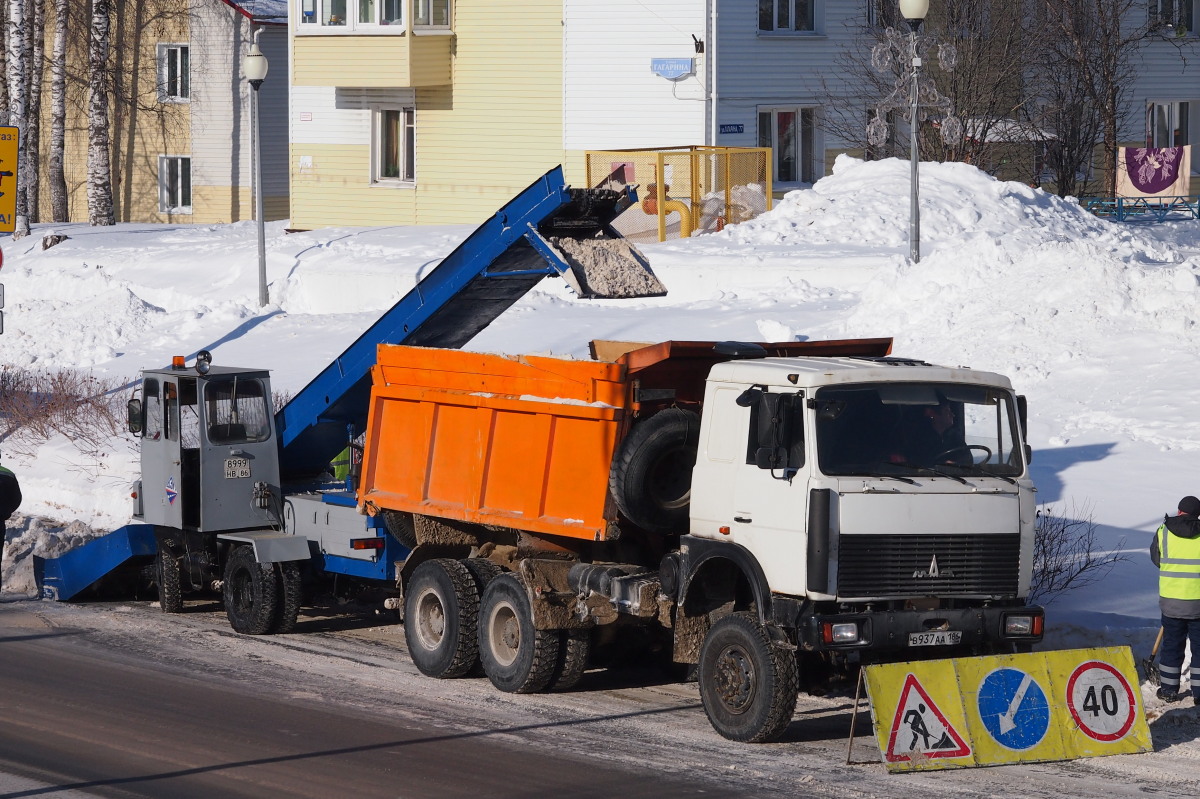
x=1178, y=565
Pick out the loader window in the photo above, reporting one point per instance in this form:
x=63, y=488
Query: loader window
x=236, y=410
x=154, y=410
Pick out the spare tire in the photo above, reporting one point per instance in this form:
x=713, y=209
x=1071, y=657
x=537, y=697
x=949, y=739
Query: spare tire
x=651, y=478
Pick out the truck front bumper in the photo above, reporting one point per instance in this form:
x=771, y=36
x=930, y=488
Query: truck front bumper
x=923, y=632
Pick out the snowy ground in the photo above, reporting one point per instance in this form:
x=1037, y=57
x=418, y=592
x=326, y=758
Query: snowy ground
x=1095, y=322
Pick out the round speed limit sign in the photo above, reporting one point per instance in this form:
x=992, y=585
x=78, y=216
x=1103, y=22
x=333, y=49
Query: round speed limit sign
x=1101, y=701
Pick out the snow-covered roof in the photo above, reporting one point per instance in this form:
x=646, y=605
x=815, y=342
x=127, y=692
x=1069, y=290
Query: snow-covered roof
x=263, y=12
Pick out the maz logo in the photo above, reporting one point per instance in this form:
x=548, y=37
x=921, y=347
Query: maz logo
x=933, y=570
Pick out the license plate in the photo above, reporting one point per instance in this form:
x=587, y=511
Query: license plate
x=237, y=467
x=938, y=638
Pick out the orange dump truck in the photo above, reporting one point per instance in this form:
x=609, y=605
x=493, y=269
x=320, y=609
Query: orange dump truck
x=757, y=508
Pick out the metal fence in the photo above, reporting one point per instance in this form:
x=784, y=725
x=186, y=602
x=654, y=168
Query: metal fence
x=1158, y=209
x=684, y=190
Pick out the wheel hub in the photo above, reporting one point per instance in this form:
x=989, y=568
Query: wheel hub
x=735, y=679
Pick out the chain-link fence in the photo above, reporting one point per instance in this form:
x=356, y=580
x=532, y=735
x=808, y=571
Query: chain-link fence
x=684, y=190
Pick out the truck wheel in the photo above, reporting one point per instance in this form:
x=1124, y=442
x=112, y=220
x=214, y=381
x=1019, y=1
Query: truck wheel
x=167, y=576
x=651, y=478
x=441, y=609
x=517, y=658
x=747, y=685
x=288, y=611
x=401, y=527
x=250, y=591
x=573, y=650
x=483, y=570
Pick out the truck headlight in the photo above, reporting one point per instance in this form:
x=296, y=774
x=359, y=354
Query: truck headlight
x=1023, y=624
x=839, y=633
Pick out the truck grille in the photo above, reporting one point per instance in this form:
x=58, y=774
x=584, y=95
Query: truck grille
x=904, y=565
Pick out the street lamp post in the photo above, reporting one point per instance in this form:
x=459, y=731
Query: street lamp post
x=914, y=11
x=254, y=66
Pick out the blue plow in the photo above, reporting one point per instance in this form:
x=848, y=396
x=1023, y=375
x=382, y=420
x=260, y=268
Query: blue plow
x=127, y=549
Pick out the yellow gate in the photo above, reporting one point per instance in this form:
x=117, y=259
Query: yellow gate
x=683, y=190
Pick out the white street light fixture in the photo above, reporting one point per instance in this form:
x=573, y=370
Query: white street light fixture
x=254, y=67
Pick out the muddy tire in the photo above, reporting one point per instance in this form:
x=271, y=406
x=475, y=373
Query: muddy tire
x=288, y=610
x=651, y=478
x=483, y=570
x=401, y=527
x=250, y=592
x=747, y=685
x=574, y=648
x=517, y=658
x=168, y=578
x=441, y=610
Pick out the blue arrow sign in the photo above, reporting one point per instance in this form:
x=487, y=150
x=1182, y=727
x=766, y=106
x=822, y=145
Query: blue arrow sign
x=1013, y=708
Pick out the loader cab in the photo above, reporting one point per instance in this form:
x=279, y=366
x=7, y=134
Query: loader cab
x=209, y=454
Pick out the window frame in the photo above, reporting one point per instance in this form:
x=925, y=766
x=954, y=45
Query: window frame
x=407, y=149
x=814, y=15
x=1175, y=14
x=179, y=90
x=352, y=11
x=807, y=147
x=1178, y=117
x=165, y=162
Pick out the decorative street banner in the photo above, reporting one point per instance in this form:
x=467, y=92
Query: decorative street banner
x=1154, y=171
x=9, y=138
x=982, y=711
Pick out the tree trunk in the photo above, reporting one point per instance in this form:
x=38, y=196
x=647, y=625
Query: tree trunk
x=59, y=209
x=17, y=86
x=99, y=190
x=33, y=147
x=4, y=57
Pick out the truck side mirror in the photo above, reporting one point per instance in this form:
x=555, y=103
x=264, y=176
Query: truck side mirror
x=771, y=458
x=133, y=413
x=749, y=397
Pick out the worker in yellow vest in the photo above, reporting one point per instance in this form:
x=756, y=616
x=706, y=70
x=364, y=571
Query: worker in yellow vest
x=1176, y=553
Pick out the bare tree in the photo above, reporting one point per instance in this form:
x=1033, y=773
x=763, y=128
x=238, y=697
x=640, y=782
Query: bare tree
x=1065, y=553
x=17, y=96
x=4, y=55
x=99, y=190
x=59, y=210
x=33, y=147
x=1090, y=47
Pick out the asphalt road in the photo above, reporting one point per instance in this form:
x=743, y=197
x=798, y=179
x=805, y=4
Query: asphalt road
x=80, y=710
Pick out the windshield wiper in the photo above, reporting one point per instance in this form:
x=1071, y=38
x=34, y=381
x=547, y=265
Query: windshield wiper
x=932, y=470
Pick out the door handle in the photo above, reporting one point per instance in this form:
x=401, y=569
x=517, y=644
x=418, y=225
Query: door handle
x=743, y=519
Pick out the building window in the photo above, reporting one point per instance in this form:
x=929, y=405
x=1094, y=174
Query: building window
x=433, y=13
x=1167, y=124
x=883, y=14
x=787, y=16
x=351, y=15
x=394, y=148
x=174, y=184
x=1174, y=17
x=791, y=135
x=174, y=82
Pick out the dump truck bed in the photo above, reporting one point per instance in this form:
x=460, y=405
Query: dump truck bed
x=525, y=442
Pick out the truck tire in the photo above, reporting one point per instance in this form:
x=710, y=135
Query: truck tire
x=167, y=575
x=288, y=576
x=747, y=685
x=573, y=650
x=651, y=477
x=517, y=658
x=483, y=570
x=250, y=592
x=401, y=527
x=441, y=611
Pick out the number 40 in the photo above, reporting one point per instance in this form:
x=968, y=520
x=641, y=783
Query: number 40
x=1107, y=701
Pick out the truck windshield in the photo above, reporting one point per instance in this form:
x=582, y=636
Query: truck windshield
x=236, y=411
x=905, y=429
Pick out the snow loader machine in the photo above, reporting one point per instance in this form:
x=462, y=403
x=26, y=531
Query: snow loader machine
x=237, y=497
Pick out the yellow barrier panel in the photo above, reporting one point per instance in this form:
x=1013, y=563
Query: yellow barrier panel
x=1036, y=707
x=9, y=138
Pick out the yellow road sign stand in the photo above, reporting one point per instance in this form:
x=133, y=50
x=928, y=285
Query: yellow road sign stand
x=10, y=138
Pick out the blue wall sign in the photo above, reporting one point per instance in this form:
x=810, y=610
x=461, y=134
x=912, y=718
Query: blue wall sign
x=672, y=68
x=733, y=128
x=1013, y=708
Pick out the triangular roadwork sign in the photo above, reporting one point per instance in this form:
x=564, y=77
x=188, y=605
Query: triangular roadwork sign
x=920, y=729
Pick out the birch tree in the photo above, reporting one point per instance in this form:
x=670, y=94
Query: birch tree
x=33, y=126
x=59, y=210
x=17, y=86
x=99, y=190
x=4, y=58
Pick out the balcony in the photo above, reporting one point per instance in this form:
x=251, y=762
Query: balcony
x=408, y=61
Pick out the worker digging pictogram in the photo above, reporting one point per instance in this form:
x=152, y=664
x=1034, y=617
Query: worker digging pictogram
x=921, y=729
